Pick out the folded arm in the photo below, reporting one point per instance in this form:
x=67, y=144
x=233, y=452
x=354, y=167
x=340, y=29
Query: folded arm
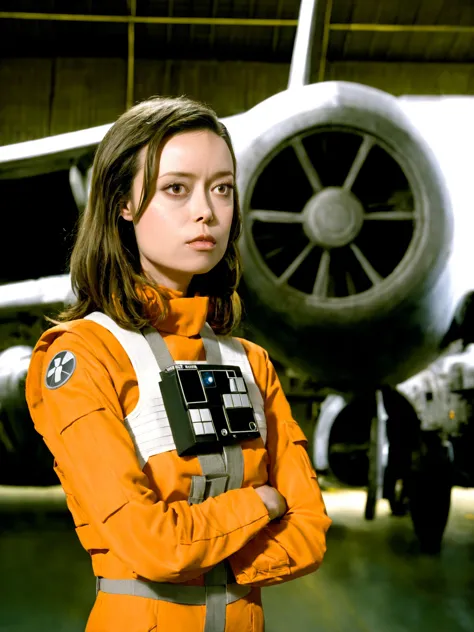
x=295, y=544
x=82, y=424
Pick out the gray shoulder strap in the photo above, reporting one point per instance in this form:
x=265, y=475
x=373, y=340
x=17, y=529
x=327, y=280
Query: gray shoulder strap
x=212, y=346
x=159, y=348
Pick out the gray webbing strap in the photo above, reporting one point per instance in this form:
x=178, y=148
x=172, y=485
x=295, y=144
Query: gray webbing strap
x=215, y=465
x=209, y=486
x=212, y=484
x=229, y=473
x=217, y=485
x=216, y=598
x=211, y=344
x=197, y=493
x=234, y=465
x=212, y=463
x=186, y=595
x=220, y=473
x=159, y=348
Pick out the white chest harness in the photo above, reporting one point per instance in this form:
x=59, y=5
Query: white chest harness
x=148, y=423
x=150, y=430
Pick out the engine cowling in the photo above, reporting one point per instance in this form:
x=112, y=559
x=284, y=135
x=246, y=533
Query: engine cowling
x=347, y=235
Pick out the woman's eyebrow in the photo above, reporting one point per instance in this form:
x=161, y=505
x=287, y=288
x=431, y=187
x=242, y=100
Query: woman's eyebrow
x=222, y=174
x=184, y=174
x=180, y=174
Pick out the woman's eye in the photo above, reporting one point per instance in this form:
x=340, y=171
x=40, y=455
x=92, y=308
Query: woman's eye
x=175, y=189
x=224, y=189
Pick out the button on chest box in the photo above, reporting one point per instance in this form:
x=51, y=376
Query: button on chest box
x=207, y=406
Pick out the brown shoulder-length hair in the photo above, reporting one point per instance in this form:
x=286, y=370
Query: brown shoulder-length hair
x=105, y=268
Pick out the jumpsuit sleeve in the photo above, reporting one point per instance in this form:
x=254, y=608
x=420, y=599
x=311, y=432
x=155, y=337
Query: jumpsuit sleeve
x=295, y=544
x=82, y=424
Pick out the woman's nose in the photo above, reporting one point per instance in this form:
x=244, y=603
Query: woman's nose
x=202, y=210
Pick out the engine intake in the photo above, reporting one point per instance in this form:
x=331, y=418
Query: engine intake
x=347, y=233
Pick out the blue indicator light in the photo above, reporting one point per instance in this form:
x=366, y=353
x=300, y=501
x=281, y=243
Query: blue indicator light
x=208, y=378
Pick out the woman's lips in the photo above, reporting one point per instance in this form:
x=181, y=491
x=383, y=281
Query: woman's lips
x=201, y=245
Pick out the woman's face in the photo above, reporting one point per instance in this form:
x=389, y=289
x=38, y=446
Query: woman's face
x=185, y=228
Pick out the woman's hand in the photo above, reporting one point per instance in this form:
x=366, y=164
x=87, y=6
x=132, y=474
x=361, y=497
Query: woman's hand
x=273, y=501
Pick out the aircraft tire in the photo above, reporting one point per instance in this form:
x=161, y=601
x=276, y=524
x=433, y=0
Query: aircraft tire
x=430, y=491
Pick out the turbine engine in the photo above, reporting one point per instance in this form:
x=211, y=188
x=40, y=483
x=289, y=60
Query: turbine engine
x=347, y=235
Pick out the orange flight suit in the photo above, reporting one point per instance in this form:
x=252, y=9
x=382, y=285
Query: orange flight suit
x=137, y=523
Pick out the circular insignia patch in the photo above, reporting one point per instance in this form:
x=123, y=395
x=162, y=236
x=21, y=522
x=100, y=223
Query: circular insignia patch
x=60, y=369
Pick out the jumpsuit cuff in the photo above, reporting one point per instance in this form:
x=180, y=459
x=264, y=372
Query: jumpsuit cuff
x=261, y=559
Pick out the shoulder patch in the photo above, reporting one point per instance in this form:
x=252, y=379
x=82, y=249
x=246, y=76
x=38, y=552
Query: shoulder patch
x=60, y=369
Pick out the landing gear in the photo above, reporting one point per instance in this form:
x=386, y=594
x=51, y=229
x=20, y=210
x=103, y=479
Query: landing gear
x=376, y=440
x=377, y=454
x=411, y=468
x=403, y=432
x=429, y=490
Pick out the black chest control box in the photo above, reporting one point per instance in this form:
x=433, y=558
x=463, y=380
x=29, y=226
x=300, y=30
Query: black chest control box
x=207, y=406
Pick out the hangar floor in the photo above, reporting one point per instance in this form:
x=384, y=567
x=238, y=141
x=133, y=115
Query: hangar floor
x=373, y=578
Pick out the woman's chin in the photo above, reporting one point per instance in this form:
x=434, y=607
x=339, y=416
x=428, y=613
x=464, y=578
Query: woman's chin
x=202, y=270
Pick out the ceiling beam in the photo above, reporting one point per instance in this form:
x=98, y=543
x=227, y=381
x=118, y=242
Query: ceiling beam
x=127, y=19
x=403, y=28
x=213, y=21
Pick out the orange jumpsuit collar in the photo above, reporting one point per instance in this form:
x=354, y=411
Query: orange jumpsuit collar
x=186, y=316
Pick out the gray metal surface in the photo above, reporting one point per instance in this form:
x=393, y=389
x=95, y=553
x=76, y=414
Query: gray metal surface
x=44, y=292
x=300, y=68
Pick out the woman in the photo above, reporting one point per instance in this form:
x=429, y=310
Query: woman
x=172, y=540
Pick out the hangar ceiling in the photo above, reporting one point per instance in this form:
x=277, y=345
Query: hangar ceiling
x=254, y=30
x=427, y=32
